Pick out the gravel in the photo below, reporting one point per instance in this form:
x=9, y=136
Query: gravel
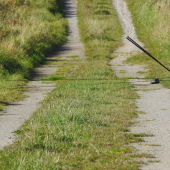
x=153, y=101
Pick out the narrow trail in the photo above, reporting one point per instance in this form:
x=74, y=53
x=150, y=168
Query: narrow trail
x=17, y=113
x=118, y=64
x=155, y=102
x=73, y=46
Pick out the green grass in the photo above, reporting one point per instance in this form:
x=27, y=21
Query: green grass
x=98, y=30
x=84, y=123
x=29, y=31
x=11, y=90
x=151, y=19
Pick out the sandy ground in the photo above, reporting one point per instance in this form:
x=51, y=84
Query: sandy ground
x=17, y=113
x=154, y=102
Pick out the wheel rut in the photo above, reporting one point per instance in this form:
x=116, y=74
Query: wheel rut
x=153, y=101
x=17, y=113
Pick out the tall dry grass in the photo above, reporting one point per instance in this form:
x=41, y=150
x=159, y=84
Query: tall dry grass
x=29, y=30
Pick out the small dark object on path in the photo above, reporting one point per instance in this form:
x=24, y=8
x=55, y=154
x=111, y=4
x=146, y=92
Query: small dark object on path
x=156, y=81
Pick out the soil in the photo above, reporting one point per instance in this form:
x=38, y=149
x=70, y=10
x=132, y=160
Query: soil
x=153, y=101
x=17, y=113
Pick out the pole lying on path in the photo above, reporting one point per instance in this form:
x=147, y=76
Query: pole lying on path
x=132, y=41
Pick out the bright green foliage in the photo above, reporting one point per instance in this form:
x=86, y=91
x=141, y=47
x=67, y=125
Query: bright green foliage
x=98, y=27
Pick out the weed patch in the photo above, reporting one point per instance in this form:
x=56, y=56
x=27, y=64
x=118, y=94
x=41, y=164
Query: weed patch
x=29, y=31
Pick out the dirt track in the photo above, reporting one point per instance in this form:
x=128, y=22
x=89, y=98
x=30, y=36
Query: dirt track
x=17, y=113
x=155, y=102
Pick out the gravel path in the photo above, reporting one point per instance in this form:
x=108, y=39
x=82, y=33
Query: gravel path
x=17, y=113
x=155, y=102
x=74, y=46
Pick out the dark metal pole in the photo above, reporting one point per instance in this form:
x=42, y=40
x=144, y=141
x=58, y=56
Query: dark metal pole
x=132, y=41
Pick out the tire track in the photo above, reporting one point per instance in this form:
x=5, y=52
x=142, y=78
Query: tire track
x=155, y=102
x=17, y=113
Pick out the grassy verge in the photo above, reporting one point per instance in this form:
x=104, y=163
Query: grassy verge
x=29, y=31
x=83, y=123
x=151, y=19
x=10, y=91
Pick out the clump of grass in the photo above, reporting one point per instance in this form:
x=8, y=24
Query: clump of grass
x=53, y=78
x=11, y=90
x=151, y=19
x=122, y=71
x=102, y=12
